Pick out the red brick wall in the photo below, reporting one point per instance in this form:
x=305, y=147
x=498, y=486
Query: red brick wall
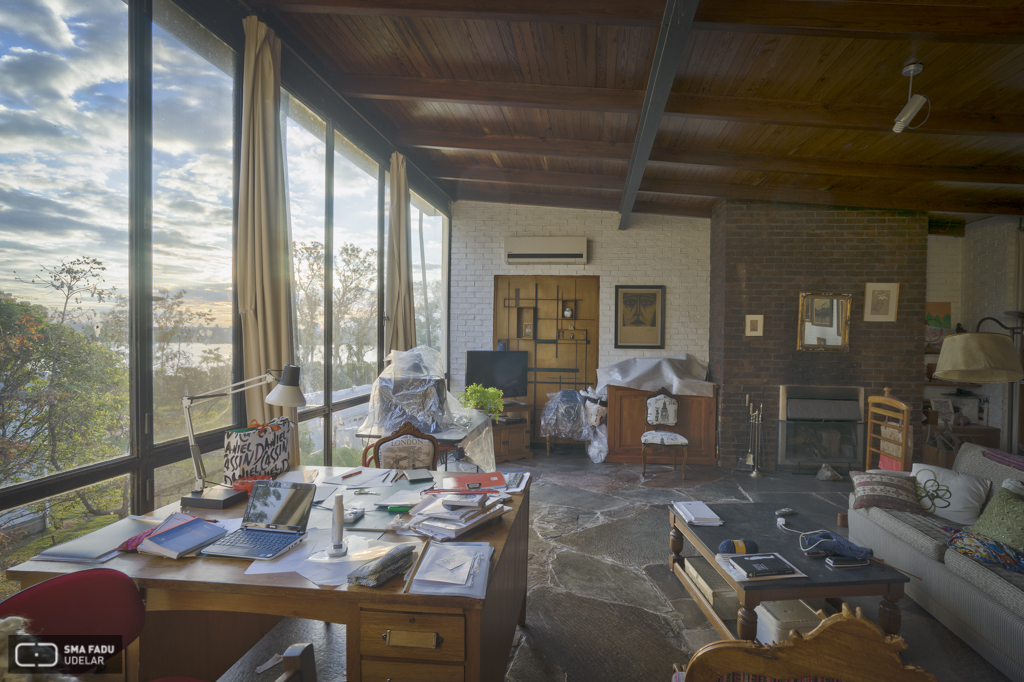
x=762, y=256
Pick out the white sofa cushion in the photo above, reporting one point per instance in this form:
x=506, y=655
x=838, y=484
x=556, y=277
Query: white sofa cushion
x=953, y=495
x=923, y=532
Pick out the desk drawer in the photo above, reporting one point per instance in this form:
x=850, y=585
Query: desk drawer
x=422, y=636
x=389, y=671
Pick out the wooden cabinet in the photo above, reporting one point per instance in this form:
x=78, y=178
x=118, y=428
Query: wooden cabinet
x=627, y=421
x=512, y=441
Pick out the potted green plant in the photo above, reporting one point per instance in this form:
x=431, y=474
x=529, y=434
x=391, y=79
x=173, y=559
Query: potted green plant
x=489, y=400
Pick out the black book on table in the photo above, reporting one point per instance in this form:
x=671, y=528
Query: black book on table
x=761, y=565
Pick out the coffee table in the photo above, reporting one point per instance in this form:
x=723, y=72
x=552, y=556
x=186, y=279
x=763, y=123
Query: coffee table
x=757, y=522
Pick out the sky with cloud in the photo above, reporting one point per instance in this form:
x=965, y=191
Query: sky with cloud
x=64, y=156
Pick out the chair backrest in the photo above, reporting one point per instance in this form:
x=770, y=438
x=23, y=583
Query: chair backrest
x=662, y=409
x=89, y=602
x=890, y=433
x=846, y=646
x=406, y=448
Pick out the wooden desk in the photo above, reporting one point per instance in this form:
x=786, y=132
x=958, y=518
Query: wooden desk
x=202, y=614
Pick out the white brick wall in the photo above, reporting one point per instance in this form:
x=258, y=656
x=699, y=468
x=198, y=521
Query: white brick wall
x=944, y=258
x=655, y=250
x=989, y=287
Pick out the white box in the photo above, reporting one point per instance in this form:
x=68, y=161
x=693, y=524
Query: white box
x=776, y=618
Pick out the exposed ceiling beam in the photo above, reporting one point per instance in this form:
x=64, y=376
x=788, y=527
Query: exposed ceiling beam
x=746, y=109
x=673, y=44
x=490, y=92
x=516, y=176
x=471, y=193
x=855, y=116
x=633, y=13
x=817, y=165
x=430, y=139
x=874, y=21
x=941, y=200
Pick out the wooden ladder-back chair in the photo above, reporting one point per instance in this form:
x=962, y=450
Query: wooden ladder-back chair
x=662, y=410
x=846, y=647
x=890, y=433
x=406, y=448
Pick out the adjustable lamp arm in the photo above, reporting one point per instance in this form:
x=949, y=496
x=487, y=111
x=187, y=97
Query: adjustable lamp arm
x=1013, y=330
x=188, y=401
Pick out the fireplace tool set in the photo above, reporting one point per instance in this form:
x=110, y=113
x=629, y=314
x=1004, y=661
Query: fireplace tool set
x=755, y=445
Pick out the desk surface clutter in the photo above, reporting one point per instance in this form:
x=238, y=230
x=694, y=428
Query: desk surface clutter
x=472, y=592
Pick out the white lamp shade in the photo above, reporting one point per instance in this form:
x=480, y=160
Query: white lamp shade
x=980, y=358
x=286, y=396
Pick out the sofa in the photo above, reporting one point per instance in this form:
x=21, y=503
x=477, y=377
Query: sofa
x=982, y=604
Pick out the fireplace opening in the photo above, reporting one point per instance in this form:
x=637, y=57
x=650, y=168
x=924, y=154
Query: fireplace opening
x=820, y=425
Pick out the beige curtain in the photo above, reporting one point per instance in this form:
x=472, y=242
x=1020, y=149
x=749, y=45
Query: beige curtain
x=400, y=317
x=263, y=261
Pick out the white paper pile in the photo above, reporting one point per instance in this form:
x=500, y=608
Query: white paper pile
x=455, y=568
x=696, y=514
x=433, y=519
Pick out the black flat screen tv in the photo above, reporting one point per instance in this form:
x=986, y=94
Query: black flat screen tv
x=502, y=369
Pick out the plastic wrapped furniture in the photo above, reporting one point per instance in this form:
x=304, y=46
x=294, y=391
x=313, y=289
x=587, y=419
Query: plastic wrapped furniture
x=411, y=389
x=563, y=416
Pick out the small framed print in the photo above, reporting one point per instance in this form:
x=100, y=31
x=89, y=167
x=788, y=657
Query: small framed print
x=527, y=331
x=880, y=301
x=755, y=325
x=639, y=316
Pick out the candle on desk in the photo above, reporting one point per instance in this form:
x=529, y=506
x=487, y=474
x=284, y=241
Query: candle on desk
x=338, y=528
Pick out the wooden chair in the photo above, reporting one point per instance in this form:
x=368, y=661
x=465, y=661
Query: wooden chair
x=890, y=433
x=846, y=647
x=662, y=410
x=406, y=448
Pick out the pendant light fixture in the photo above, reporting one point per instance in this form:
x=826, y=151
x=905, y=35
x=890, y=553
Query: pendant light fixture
x=914, y=102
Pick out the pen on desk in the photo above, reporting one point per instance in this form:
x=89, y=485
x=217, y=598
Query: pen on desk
x=351, y=474
x=412, y=573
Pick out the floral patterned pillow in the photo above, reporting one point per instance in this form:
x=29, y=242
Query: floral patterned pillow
x=985, y=550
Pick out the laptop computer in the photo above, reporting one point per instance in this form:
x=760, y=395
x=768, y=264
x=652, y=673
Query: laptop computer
x=275, y=520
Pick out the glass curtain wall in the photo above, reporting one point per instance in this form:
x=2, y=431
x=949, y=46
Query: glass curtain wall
x=63, y=194
x=428, y=247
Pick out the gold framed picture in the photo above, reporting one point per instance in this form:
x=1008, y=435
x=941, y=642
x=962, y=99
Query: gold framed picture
x=755, y=325
x=639, y=316
x=880, y=302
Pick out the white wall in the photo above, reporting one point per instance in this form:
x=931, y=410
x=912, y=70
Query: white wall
x=655, y=250
x=944, y=279
x=990, y=287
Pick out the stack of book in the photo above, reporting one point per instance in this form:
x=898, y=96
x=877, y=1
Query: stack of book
x=696, y=514
x=448, y=517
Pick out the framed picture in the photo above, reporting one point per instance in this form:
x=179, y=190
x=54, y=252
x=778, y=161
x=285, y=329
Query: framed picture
x=639, y=316
x=755, y=325
x=944, y=407
x=527, y=331
x=880, y=302
x=821, y=312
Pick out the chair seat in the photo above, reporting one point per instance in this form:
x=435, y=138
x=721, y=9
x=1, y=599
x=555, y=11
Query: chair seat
x=663, y=438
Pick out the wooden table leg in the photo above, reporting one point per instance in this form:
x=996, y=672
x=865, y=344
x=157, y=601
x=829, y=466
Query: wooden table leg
x=746, y=618
x=890, y=616
x=675, y=545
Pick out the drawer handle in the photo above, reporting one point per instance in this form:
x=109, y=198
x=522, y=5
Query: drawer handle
x=416, y=640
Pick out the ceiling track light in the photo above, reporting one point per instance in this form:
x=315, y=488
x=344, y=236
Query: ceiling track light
x=914, y=102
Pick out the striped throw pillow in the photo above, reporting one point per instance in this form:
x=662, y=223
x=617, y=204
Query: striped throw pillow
x=886, y=491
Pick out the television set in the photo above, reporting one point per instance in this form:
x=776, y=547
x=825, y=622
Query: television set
x=502, y=369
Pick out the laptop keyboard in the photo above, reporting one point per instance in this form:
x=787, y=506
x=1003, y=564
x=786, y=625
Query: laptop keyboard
x=256, y=539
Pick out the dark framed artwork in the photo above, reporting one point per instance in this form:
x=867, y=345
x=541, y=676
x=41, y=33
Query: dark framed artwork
x=821, y=312
x=639, y=316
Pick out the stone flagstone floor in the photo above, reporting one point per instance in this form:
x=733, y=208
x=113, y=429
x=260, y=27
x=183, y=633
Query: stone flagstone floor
x=602, y=604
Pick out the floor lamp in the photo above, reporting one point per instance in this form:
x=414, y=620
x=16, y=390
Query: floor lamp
x=984, y=358
x=286, y=394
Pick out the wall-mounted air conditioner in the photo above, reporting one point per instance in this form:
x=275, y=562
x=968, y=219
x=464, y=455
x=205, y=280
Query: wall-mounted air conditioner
x=546, y=250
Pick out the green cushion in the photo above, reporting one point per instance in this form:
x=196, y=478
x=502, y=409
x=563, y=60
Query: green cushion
x=1003, y=519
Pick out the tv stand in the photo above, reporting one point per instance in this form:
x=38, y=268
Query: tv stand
x=512, y=441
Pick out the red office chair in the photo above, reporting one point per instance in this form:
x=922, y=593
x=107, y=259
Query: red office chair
x=105, y=601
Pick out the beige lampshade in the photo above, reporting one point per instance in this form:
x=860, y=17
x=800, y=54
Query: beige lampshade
x=979, y=358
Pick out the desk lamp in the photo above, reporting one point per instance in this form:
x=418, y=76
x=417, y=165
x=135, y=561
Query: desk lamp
x=984, y=358
x=286, y=394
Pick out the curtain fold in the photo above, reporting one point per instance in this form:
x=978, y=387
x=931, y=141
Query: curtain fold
x=263, y=259
x=400, y=314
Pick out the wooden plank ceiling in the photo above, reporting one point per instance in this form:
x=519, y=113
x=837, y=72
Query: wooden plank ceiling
x=539, y=101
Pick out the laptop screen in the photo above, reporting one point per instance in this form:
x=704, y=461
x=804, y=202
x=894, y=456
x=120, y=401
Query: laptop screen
x=279, y=505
